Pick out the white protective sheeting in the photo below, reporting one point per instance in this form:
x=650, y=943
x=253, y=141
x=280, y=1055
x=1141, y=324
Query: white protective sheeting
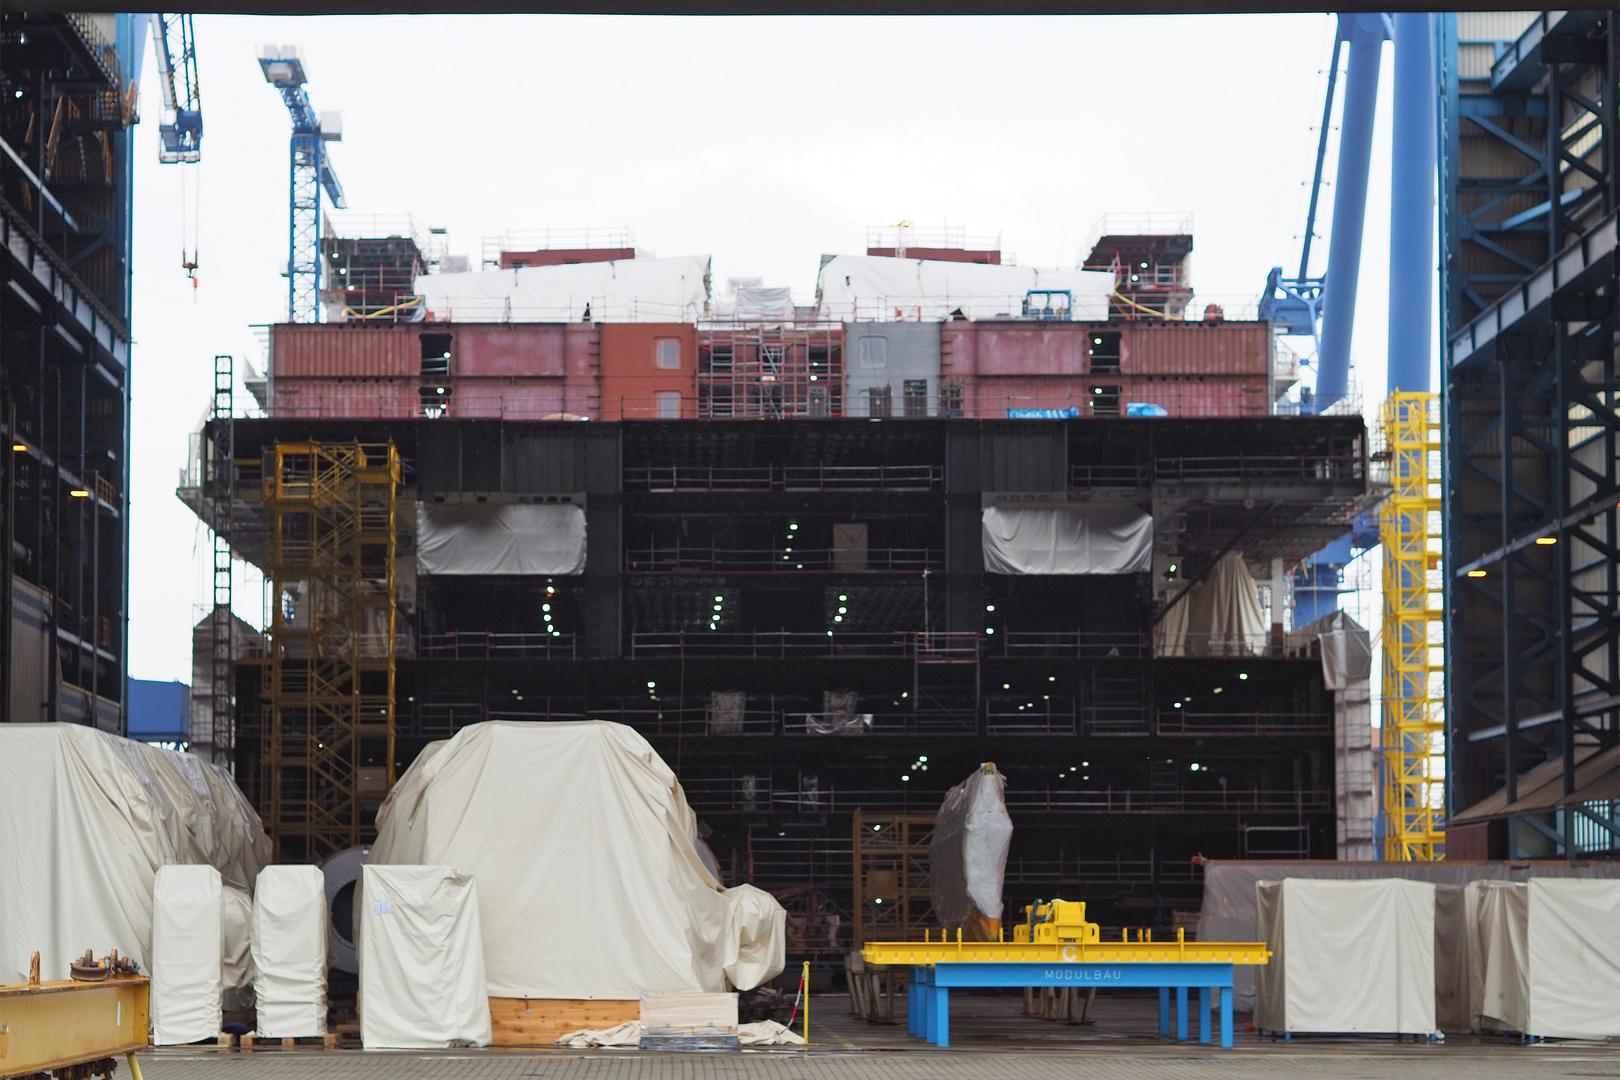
x=188, y=962
x=967, y=855
x=1347, y=956
x=565, y=821
x=873, y=288
x=289, y=950
x=1229, y=913
x=1223, y=616
x=672, y=290
x=1079, y=539
x=87, y=819
x=759, y=303
x=504, y=539
x=1545, y=957
x=756, y=936
x=421, y=956
x=236, y=949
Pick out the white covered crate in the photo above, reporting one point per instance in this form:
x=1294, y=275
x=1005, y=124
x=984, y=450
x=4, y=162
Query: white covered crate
x=1545, y=957
x=188, y=955
x=421, y=953
x=1347, y=956
x=289, y=949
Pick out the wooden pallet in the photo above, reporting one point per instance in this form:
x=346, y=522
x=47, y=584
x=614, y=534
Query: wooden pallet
x=330, y=1041
x=541, y=1021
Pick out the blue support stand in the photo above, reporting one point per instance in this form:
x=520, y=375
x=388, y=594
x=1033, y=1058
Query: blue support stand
x=1164, y=1012
x=1226, y=1016
x=1181, y=1014
x=1203, y=1014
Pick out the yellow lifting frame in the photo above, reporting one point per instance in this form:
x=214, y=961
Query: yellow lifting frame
x=1413, y=675
x=56, y=1024
x=924, y=953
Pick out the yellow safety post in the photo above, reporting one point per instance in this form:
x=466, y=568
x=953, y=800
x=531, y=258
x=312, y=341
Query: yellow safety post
x=807, y=1003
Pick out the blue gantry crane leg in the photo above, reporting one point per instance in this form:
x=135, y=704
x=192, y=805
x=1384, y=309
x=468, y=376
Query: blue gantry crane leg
x=311, y=176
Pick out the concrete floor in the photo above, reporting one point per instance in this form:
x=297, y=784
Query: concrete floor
x=991, y=1041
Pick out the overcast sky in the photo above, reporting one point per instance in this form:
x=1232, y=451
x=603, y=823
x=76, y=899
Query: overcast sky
x=763, y=142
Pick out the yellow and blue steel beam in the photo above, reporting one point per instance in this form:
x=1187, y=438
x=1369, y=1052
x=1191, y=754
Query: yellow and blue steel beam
x=52, y=1025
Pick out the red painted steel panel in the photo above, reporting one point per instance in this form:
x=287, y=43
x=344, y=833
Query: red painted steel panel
x=344, y=350
x=958, y=350
x=508, y=399
x=990, y=397
x=1234, y=348
x=526, y=349
x=1030, y=349
x=631, y=377
x=318, y=399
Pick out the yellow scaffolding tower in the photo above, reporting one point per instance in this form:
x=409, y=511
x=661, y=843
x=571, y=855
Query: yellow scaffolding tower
x=1413, y=719
x=328, y=700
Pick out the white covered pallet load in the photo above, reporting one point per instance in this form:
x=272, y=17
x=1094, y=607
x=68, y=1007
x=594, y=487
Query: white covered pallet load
x=290, y=935
x=967, y=855
x=421, y=959
x=1347, y=956
x=1545, y=957
x=87, y=819
x=585, y=854
x=188, y=954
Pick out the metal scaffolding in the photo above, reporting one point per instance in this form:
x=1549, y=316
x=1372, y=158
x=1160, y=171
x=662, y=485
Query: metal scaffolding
x=328, y=706
x=1413, y=717
x=220, y=485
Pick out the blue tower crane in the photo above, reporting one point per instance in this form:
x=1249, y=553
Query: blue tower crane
x=311, y=174
x=180, y=133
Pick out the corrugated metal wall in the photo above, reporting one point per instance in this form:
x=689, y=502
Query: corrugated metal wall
x=1195, y=349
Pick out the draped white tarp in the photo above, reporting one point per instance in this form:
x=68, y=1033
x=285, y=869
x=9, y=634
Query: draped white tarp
x=236, y=948
x=1223, y=616
x=290, y=935
x=188, y=961
x=501, y=538
x=421, y=953
x=967, y=853
x=1084, y=538
x=86, y=820
x=873, y=288
x=1545, y=957
x=674, y=290
x=1347, y=956
x=565, y=821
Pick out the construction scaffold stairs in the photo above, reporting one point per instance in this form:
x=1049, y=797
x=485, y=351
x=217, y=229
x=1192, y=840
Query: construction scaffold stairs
x=1413, y=692
x=332, y=512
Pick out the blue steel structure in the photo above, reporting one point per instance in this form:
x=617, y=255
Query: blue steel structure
x=928, y=1002
x=180, y=133
x=310, y=175
x=1528, y=201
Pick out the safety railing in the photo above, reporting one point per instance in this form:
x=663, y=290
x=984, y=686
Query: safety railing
x=1186, y=722
x=1066, y=870
x=783, y=560
x=1066, y=644
x=480, y=645
x=1093, y=476
x=788, y=645
x=752, y=794
x=1261, y=467
x=668, y=478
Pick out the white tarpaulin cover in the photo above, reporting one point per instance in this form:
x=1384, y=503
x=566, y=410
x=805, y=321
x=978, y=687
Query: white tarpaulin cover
x=1545, y=957
x=1228, y=912
x=236, y=948
x=289, y=951
x=1222, y=618
x=510, y=538
x=872, y=288
x=566, y=821
x=86, y=819
x=967, y=855
x=187, y=958
x=759, y=303
x=623, y=290
x=1079, y=539
x=1347, y=956
x=421, y=954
